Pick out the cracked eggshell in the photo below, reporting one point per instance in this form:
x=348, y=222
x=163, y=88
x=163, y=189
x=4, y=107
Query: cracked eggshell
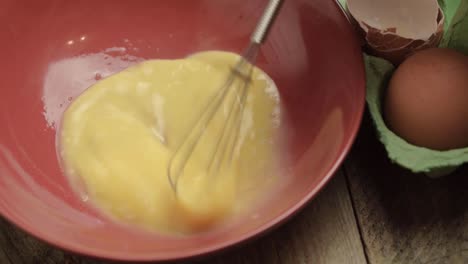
x=395, y=29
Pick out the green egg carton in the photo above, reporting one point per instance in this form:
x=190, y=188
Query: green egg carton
x=417, y=159
x=379, y=71
x=433, y=163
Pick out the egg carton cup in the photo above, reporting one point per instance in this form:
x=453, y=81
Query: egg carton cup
x=433, y=163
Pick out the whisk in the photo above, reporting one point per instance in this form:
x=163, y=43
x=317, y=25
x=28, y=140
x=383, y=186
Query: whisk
x=229, y=132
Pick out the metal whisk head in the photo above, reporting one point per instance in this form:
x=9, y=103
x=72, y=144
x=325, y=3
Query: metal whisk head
x=231, y=96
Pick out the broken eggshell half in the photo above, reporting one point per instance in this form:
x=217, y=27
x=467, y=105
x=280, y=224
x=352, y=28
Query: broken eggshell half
x=395, y=29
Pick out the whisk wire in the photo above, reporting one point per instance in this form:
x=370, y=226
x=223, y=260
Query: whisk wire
x=191, y=139
x=182, y=153
x=242, y=100
x=230, y=133
x=239, y=99
x=226, y=144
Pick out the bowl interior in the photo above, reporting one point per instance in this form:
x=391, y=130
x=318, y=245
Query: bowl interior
x=52, y=50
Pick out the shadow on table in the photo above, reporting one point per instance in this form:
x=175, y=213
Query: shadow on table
x=405, y=216
x=408, y=198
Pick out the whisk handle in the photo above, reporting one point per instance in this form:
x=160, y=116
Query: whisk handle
x=263, y=26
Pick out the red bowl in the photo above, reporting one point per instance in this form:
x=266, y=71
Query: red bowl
x=52, y=50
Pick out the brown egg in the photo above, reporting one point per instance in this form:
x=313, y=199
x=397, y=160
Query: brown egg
x=427, y=100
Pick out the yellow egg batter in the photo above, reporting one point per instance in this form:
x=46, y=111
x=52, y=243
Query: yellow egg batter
x=117, y=137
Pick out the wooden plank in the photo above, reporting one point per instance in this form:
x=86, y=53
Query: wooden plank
x=324, y=232
x=403, y=217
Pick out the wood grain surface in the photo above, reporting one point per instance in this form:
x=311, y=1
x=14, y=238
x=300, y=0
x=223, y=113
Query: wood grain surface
x=323, y=232
x=403, y=217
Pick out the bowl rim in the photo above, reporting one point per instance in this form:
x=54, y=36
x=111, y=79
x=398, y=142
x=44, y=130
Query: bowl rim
x=97, y=253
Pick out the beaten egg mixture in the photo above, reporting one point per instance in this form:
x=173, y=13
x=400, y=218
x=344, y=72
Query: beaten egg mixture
x=117, y=137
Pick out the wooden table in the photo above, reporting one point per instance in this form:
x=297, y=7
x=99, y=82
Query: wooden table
x=371, y=212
